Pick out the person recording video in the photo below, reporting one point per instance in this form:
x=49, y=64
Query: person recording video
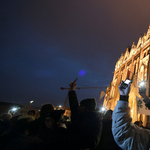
x=126, y=134
x=142, y=92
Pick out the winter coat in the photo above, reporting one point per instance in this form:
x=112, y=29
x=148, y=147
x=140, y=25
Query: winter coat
x=35, y=125
x=52, y=139
x=107, y=141
x=126, y=134
x=85, y=130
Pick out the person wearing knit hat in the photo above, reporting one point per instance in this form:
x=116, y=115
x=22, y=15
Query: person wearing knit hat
x=89, y=103
x=86, y=122
x=45, y=109
x=56, y=114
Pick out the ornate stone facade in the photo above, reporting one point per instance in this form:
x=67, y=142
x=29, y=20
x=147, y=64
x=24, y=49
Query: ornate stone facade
x=135, y=64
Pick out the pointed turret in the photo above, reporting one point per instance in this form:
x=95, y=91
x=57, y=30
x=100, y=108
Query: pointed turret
x=140, y=41
x=128, y=49
x=148, y=32
x=133, y=45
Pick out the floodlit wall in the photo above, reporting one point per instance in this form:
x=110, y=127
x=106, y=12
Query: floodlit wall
x=133, y=64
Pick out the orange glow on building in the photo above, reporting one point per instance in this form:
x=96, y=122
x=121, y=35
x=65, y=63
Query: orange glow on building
x=133, y=64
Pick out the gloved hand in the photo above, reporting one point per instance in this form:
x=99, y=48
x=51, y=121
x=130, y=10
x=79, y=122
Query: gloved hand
x=124, y=91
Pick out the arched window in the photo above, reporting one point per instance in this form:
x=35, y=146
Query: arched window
x=135, y=68
x=112, y=91
x=145, y=74
x=142, y=73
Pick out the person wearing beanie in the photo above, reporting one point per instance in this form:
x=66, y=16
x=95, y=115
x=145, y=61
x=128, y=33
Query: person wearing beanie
x=89, y=103
x=86, y=124
x=45, y=109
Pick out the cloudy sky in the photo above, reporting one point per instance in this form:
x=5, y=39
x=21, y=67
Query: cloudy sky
x=45, y=44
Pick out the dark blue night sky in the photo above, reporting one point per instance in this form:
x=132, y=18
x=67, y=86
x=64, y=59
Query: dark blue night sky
x=45, y=44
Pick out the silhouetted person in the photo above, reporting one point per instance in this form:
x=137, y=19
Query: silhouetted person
x=15, y=138
x=107, y=141
x=147, y=125
x=52, y=132
x=86, y=126
x=139, y=123
x=35, y=125
x=31, y=113
x=4, y=122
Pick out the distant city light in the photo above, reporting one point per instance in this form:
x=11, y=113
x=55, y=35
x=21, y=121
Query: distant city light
x=59, y=106
x=82, y=72
x=31, y=102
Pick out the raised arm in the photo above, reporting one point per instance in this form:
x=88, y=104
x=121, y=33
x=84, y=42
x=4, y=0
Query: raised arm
x=73, y=101
x=127, y=135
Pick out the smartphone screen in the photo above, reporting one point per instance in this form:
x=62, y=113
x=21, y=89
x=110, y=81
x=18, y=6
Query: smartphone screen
x=127, y=81
x=31, y=102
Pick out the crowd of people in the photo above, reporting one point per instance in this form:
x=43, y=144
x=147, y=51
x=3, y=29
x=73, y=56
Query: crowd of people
x=89, y=129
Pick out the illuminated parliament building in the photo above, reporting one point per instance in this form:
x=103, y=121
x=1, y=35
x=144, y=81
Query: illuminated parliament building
x=133, y=64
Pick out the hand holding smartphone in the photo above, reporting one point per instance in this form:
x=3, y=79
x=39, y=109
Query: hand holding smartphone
x=124, y=85
x=31, y=102
x=142, y=88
